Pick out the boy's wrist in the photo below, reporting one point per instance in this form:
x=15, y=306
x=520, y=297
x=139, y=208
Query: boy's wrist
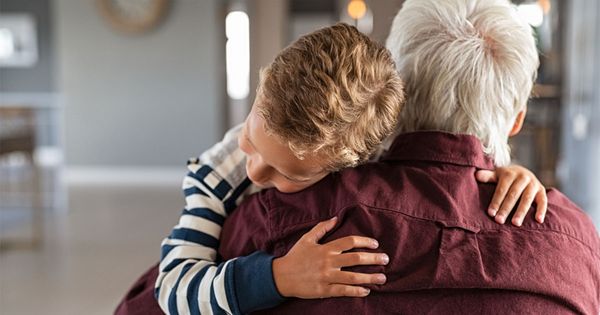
x=254, y=284
x=279, y=276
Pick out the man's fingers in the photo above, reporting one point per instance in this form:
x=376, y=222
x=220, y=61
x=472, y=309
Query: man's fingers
x=524, y=205
x=499, y=194
x=336, y=290
x=541, y=201
x=515, y=191
x=359, y=258
x=485, y=176
x=319, y=230
x=349, y=242
x=353, y=278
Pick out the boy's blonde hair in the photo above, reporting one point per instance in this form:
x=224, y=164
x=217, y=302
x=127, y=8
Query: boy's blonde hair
x=334, y=93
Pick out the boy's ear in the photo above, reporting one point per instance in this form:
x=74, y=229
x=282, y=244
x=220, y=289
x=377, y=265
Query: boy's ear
x=518, y=122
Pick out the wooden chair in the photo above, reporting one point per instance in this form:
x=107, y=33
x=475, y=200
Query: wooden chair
x=17, y=135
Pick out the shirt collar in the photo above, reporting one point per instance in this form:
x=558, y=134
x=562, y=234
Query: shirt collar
x=437, y=146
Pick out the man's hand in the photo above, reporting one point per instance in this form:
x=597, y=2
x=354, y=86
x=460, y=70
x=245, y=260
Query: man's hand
x=514, y=182
x=311, y=270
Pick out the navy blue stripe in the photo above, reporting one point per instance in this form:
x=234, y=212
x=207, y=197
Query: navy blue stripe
x=165, y=250
x=230, y=202
x=213, y=299
x=230, y=288
x=195, y=236
x=206, y=213
x=203, y=171
x=193, y=288
x=173, y=296
x=193, y=191
x=222, y=187
x=174, y=263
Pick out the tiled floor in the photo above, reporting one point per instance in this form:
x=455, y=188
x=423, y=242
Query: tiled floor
x=91, y=253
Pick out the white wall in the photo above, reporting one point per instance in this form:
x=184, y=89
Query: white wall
x=151, y=100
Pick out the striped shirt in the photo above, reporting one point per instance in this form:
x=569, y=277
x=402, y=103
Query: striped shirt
x=192, y=279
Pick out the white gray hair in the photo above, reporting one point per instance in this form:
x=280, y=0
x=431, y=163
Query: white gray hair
x=468, y=67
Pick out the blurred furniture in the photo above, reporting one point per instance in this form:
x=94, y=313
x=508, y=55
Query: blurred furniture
x=538, y=145
x=20, y=176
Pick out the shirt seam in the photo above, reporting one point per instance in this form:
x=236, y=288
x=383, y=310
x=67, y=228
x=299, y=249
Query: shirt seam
x=588, y=246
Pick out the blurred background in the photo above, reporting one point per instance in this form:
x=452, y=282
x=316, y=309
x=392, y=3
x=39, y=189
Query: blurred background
x=102, y=102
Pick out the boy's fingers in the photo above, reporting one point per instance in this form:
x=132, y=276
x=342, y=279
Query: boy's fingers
x=541, y=201
x=359, y=258
x=499, y=195
x=524, y=205
x=486, y=176
x=336, y=290
x=319, y=230
x=510, y=199
x=347, y=277
x=349, y=242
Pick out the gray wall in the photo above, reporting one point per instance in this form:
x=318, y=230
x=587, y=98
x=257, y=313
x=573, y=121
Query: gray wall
x=147, y=100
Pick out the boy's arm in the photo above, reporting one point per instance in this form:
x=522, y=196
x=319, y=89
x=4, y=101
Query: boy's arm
x=190, y=280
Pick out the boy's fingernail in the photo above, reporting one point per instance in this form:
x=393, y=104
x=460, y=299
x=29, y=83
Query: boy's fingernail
x=333, y=219
x=366, y=291
x=380, y=279
x=492, y=211
x=500, y=219
x=375, y=243
x=385, y=259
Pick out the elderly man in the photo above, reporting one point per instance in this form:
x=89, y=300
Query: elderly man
x=469, y=67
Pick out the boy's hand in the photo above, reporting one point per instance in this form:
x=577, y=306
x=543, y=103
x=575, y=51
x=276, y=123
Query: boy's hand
x=311, y=270
x=514, y=182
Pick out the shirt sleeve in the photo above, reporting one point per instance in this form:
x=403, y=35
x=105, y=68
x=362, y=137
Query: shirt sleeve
x=191, y=279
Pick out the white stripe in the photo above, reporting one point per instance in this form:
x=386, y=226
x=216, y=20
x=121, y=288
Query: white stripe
x=197, y=252
x=200, y=224
x=231, y=165
x=183, y=288
x=193, y=167
x=168, y=282
x=189, y=182
x=212, y=180
x=201, y=201
x=219, y=288
x=204, y=291
x=177, y=242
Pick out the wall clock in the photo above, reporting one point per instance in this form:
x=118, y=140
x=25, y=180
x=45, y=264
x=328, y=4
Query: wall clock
x=133, y=16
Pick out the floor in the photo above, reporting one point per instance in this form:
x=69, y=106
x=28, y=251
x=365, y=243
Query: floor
x=91, y=253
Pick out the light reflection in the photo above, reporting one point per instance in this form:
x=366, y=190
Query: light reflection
x=237, y=50
x=532, y=13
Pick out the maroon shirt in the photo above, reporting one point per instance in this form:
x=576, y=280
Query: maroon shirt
x=428, y=212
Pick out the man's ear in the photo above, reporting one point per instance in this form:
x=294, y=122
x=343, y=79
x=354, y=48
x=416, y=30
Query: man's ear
x=518, y=122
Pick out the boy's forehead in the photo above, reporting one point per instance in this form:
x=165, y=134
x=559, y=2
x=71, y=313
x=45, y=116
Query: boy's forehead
x=277, y=153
